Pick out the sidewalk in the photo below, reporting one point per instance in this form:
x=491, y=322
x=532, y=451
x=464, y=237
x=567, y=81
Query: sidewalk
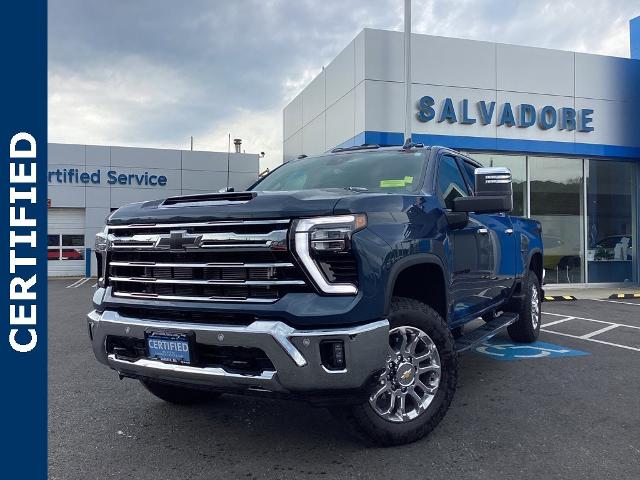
x=589, y=292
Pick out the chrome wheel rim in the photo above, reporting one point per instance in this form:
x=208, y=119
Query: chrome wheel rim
x=411, y=377
x=535, y=307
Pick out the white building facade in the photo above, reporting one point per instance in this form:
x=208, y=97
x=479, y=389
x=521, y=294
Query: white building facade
x=565, y=123
x=87, y=182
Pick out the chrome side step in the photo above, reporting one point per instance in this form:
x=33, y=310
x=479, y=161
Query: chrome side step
x=484, y=332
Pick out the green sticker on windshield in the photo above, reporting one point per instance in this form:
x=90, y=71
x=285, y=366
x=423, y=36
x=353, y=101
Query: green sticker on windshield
x=392, y=183
x=408, y=180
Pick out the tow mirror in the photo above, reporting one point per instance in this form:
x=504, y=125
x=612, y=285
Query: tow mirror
x=494, y=192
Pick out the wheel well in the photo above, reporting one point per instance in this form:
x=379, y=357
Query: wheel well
x=536, y=265
x=423, y=282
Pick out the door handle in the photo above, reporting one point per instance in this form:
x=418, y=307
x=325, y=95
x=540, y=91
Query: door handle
x=509, y=231
x=483, y=231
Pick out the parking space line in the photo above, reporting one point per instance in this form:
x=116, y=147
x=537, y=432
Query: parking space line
x=558, y=321
x=79, y=283
x=617, y=301
x=88, y=279
x=627, y=347
x=593, y=320
x=74, y=283
x=598, y=332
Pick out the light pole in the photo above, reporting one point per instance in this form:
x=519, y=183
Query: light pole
x=407, y=70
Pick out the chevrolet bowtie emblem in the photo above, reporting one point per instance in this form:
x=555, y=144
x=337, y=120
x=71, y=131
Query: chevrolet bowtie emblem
x=179, y=240
x=406, y=375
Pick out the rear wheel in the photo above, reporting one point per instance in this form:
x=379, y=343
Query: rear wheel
x=179, y=395
x=413, y=393
x=527, y=328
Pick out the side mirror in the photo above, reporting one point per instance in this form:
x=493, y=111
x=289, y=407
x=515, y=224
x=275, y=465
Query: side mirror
x=494, y=192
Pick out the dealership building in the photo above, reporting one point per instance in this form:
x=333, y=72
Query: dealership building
x=87, y=182
x=567, y=124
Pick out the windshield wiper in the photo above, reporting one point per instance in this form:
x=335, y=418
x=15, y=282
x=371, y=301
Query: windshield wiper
x=357, y=189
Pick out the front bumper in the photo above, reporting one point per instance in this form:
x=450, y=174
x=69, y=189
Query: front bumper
x=295, y=354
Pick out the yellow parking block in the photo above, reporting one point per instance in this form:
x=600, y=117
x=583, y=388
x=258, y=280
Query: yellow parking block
x=624, y=295
x=559, y=298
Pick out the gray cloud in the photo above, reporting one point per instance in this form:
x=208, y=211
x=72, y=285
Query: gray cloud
x=154, y=72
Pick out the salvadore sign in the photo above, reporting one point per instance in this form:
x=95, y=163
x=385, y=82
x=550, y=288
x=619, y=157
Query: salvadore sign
x=522, y=115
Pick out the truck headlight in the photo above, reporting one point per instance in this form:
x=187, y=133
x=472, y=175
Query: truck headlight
x=321, y=236
x=102, y=242
x=100, y=247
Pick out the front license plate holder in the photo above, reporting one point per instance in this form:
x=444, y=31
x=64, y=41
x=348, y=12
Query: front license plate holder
x=170, y=347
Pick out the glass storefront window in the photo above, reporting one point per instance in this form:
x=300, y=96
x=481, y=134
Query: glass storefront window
x=602, y=239
x=610, y=221
x=518, y=166
x=53, y=240
x=557, y=202
x=72, y=240
x=65, y=247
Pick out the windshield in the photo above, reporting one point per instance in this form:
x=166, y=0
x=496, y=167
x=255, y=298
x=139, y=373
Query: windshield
x=387, y=171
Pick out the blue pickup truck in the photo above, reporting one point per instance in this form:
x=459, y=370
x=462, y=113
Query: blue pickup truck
x=344, y=279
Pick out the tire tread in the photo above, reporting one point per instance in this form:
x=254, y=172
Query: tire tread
x=381, y=432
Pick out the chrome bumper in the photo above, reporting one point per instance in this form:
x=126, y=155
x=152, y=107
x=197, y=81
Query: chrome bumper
x=295, y=354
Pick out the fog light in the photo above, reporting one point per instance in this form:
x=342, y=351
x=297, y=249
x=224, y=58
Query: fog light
x=332, y=354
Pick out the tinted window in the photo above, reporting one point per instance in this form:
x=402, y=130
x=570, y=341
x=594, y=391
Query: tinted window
x=53, y=240
x=450, y=182
x=72, y=240
x=469, y=172
x=386, y=171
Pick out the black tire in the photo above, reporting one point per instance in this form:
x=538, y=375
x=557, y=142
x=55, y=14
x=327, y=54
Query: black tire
x=179, y=395
x=527, y=328
x=368, y=424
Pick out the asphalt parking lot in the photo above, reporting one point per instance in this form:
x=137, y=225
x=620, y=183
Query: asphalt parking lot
x=567, y=408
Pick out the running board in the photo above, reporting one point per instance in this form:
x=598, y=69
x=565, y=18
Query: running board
x=486, y=331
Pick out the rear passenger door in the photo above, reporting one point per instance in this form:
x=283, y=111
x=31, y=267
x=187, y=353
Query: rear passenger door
x=502, y=264
x=470, y=247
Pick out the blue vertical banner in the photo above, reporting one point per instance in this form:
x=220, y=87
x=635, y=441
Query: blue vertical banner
x=23, y=143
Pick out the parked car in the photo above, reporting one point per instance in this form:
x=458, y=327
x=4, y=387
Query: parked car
x=66, y=254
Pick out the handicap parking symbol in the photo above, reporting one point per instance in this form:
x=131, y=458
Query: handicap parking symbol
x=504, y=350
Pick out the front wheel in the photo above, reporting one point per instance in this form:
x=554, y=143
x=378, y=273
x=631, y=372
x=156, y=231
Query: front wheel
x=413, y=393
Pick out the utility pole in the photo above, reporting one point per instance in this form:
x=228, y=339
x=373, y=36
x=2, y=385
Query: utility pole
x=228, y=159
x=407, y=70
x=192, y=143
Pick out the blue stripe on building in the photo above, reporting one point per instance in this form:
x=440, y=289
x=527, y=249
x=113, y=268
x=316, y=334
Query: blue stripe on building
x=498, y=144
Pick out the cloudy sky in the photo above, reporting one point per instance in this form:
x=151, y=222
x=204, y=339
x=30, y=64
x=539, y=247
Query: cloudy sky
x=155, y=72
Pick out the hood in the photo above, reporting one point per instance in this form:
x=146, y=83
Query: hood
x=231, y=205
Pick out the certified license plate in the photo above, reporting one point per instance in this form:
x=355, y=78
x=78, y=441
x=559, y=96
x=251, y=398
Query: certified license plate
x=169, y=347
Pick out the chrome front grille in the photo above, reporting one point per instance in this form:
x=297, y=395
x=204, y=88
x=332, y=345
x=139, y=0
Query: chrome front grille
x=239, y=261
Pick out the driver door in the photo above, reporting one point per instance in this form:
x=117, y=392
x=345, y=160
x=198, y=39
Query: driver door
x=471, y=247
x=500, y=266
